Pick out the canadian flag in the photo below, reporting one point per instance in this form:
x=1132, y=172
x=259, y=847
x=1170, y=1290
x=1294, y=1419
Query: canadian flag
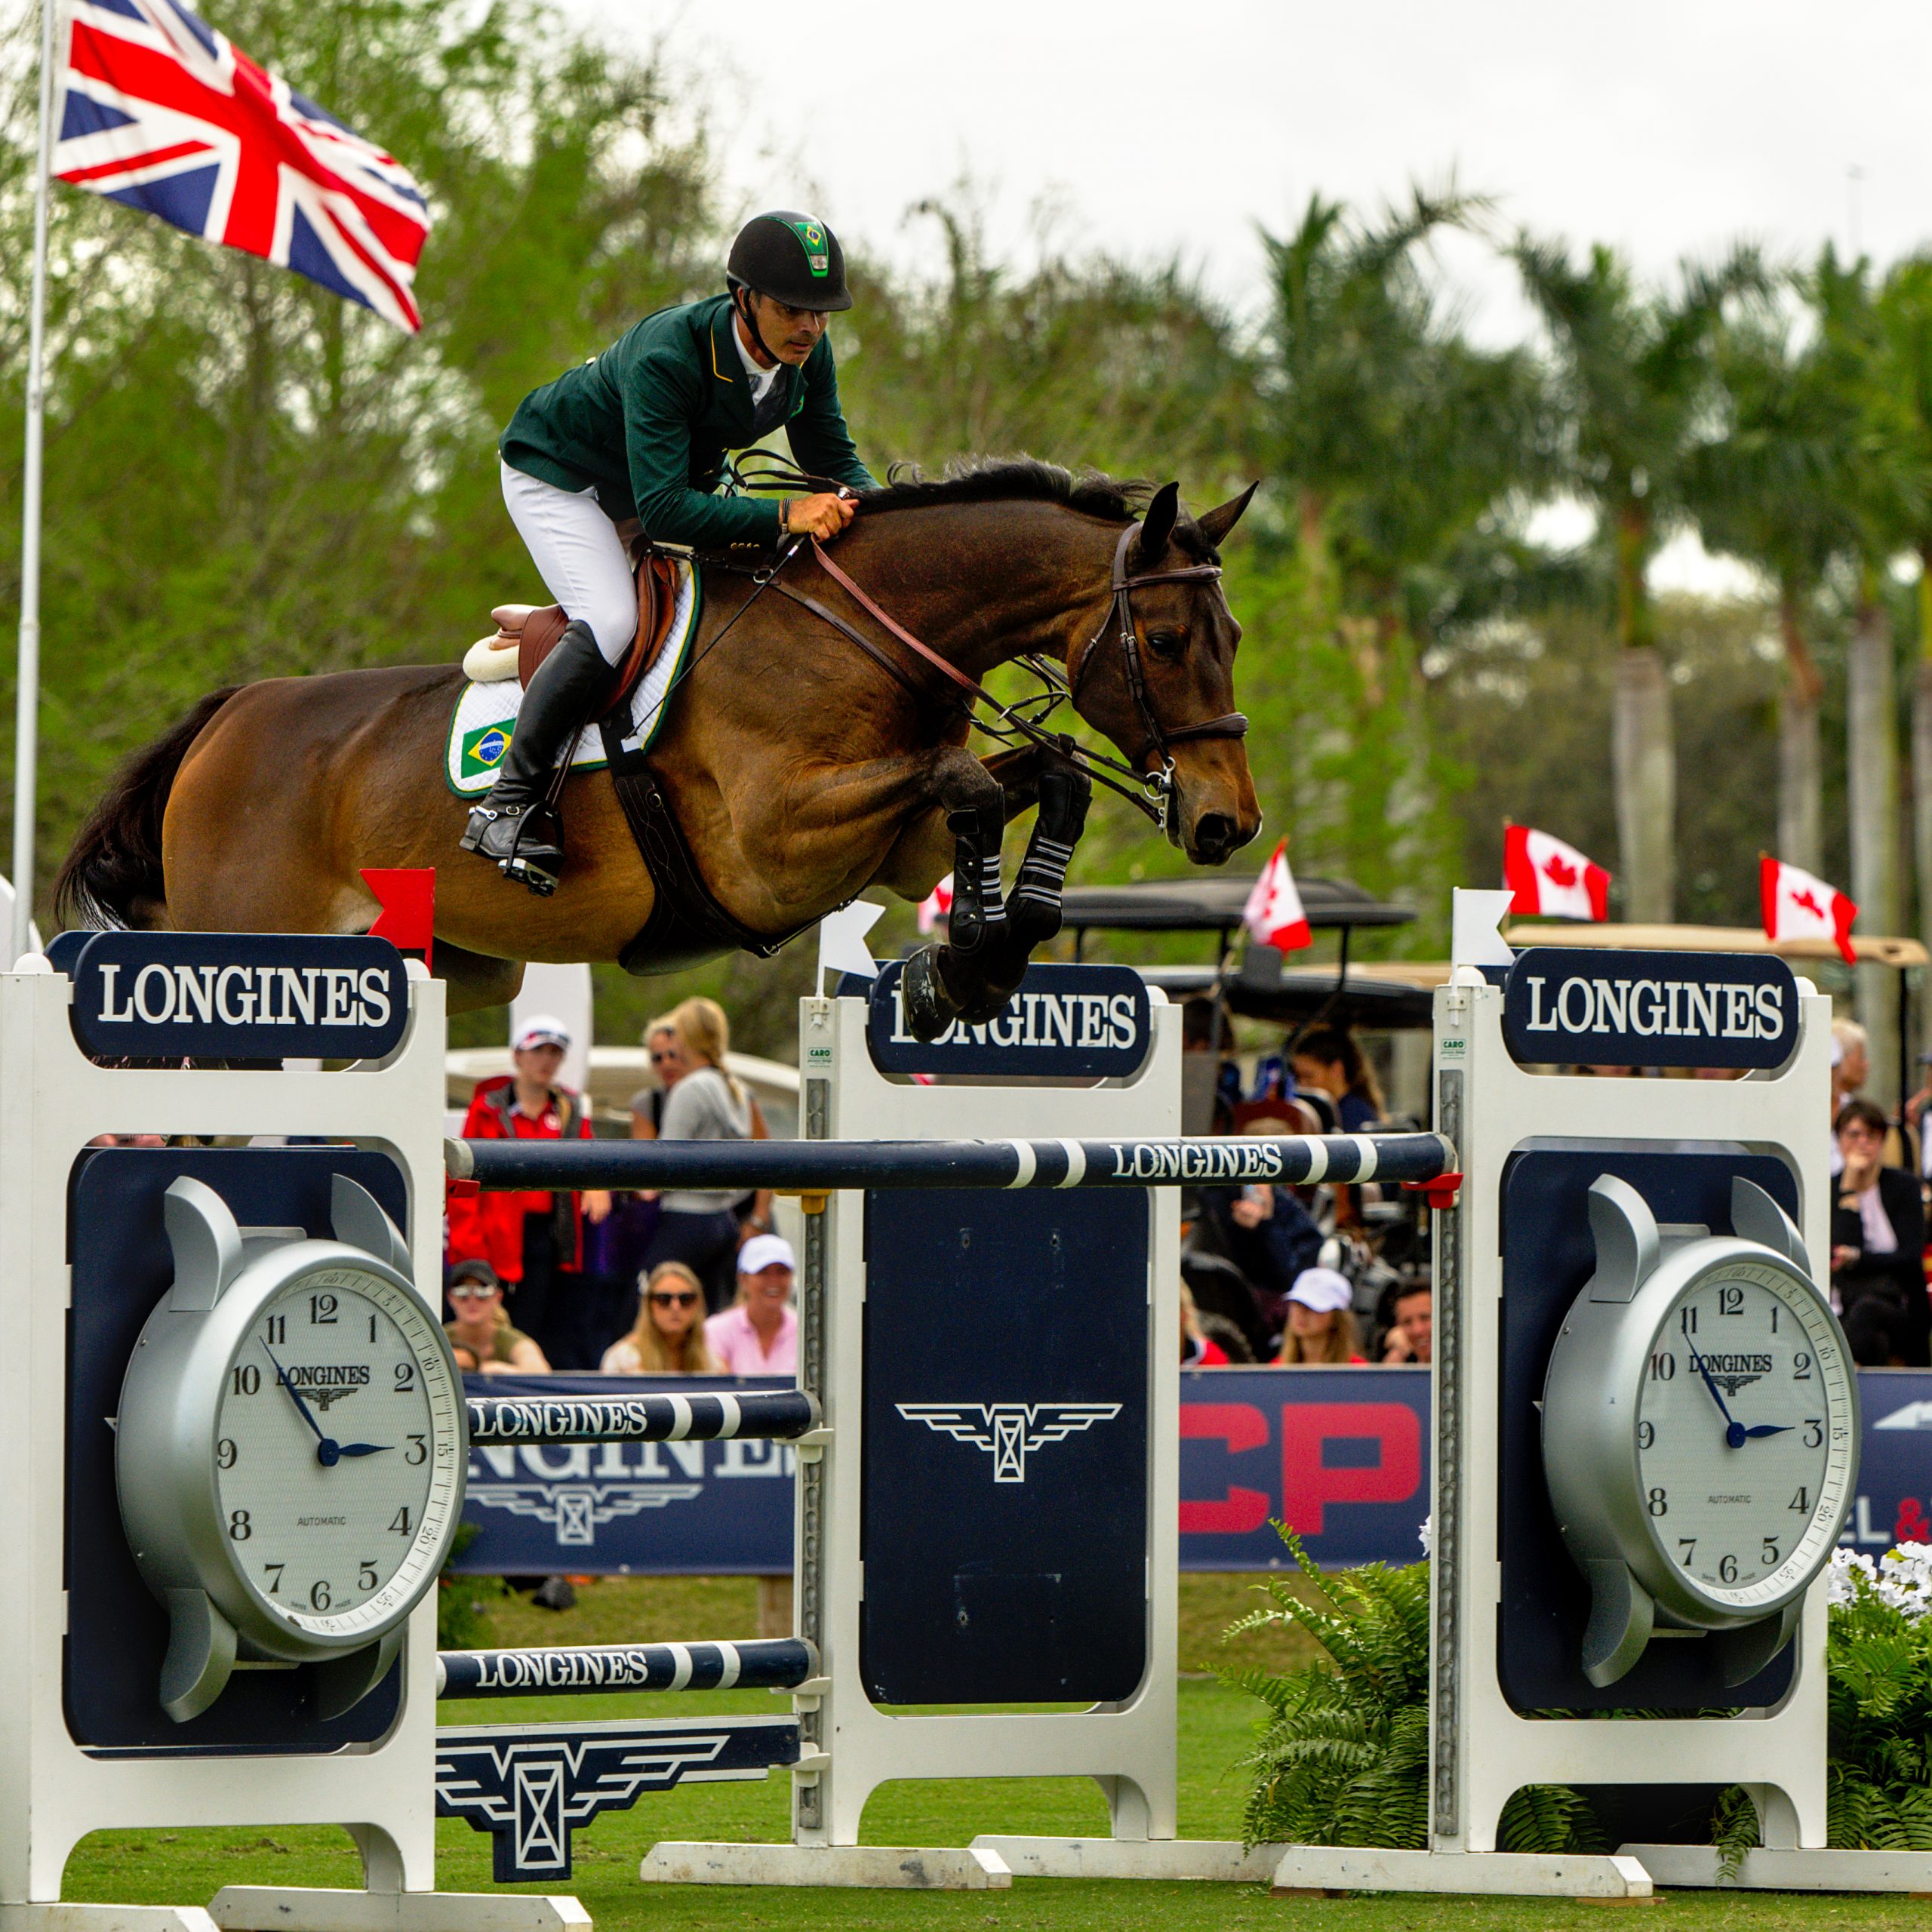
x=1273, y=915
x=1797, y=906
x=1552, y=878
x=936, y=905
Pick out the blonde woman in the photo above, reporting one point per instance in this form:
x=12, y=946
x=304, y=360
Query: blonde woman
x=1321, y=1323
x=697, y=1226
x=669, y=1338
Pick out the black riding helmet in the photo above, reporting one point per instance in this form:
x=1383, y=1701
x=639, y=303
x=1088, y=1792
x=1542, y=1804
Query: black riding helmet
x=791, y=257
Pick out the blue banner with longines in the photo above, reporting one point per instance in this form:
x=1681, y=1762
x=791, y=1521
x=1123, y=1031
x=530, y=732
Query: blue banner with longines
x=1339, y=1454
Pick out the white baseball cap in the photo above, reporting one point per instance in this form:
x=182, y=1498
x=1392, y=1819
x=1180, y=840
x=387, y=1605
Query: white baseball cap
x=1322, y=1290
x=541, y=1029
x=763, y=1251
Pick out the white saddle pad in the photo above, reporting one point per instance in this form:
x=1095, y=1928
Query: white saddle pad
x=485, y=714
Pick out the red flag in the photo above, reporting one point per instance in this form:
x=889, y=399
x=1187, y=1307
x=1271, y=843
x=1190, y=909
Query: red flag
x=936, y=905
x=1552, y=879
x=1797, y=905
x=407, y=895
x=1273, y=915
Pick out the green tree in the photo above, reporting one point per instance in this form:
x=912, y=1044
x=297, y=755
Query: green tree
x=1768, y=490
x=1632, y=367
x=1390, y=442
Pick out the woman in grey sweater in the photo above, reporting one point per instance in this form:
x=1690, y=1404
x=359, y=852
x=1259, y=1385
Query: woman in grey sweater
x=698, y=1227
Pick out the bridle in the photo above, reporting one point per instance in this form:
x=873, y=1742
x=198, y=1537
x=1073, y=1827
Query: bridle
x=1230, y=724
x=1151, y=773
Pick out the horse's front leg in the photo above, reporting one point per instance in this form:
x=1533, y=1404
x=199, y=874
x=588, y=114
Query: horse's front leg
x=990, y=942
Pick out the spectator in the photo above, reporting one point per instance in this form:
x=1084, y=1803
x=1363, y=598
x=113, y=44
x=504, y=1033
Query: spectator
x=697, y=1226
x=1411, y=1333
x=1197, y=1350
x=668, y=1338
x=1329, y=1060
x=668, y=1063
x=759, y=1334
x=1877, y=1247
x=533, y=1240
x=480, y=1333
x=1851, y=1063
x=1321, y=1321
x=1266, y=1232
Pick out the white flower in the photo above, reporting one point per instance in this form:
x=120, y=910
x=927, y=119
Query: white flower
x=1901, y=1579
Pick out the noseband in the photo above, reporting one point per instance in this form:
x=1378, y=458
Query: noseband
x=1120, y=611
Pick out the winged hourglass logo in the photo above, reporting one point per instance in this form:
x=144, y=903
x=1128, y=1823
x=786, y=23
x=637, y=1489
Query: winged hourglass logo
x=1009, y=1431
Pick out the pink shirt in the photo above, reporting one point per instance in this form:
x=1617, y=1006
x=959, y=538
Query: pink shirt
x=735, y=1342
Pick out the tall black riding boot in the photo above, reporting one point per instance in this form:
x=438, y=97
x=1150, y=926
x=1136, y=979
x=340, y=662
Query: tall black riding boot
x=514, y=826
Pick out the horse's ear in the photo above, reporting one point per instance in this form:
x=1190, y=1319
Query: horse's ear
x=1158, y=525
x=1214, y=524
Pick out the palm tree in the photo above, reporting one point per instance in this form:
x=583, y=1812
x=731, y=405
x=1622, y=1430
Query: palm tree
x=1390, y=438
x=1898, y=396
x=1633, y=376
x=1876, y=488
x=1767, y=491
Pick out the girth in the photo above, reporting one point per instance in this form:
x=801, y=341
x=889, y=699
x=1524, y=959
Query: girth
x=687, y=924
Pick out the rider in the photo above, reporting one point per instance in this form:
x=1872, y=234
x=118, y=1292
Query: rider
x=641, y=431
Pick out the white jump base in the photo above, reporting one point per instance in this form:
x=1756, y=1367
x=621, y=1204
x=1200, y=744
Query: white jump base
x=865, y=1867
x=1787, y=1871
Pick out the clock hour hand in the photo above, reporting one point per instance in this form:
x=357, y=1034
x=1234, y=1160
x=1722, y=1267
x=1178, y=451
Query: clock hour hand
x=363, y=1448
x=1768, y=1429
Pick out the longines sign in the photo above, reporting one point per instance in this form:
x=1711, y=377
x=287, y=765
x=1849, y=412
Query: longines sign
x=1068, y=1022
x=230, y=996
x=1650, y=1009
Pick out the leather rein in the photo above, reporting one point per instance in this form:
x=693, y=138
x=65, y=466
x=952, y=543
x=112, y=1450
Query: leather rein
x=1150, y=791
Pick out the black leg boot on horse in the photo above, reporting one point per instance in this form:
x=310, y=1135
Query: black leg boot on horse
x=980, y=968
x=948, y=983
x=518, y=825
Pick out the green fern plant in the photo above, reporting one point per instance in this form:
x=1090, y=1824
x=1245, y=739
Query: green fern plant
x=1343, y=1758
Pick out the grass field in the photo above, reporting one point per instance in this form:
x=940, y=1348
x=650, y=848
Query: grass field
x=1216, y=1724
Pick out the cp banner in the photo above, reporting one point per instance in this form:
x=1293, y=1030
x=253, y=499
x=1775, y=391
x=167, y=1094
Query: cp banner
x=1341, y=1455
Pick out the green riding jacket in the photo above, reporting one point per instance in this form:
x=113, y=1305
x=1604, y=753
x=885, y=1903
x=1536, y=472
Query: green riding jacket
x=648, y=424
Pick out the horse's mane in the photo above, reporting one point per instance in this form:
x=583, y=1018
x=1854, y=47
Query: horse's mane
x=989, y=480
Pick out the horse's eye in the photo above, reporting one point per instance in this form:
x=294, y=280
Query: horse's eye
x=1168, y=644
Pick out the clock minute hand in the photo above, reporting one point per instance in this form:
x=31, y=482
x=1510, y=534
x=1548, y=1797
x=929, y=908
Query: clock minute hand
x=327, y=1453
x=1734, y=1432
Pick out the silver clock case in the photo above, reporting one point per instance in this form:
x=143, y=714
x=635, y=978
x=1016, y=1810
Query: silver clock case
x=1592, y=1395
x=167, y=1432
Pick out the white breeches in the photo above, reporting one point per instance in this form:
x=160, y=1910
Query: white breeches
x=576, y=549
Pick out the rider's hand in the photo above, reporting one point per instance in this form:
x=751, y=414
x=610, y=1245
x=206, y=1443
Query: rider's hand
x=822, y=516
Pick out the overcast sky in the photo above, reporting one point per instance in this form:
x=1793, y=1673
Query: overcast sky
x=1668, y=127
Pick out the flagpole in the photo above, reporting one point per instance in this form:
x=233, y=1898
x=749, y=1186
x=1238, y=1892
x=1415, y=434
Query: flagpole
x=26, y=715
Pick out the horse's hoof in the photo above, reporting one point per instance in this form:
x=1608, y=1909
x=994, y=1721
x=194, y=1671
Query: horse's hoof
x=929, y=1008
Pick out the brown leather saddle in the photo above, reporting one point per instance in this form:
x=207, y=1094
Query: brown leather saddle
x=535, y=631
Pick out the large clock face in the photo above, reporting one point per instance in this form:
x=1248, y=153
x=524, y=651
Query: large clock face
x=337, y=1451
x=1744, y=1434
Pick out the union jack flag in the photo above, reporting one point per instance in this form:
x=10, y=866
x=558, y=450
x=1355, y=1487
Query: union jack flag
x=162, y=112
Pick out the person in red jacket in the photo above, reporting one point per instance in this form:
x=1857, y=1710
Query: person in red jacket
x=534, y=1241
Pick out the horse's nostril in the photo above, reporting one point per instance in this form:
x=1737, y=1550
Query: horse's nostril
x=1214, y=836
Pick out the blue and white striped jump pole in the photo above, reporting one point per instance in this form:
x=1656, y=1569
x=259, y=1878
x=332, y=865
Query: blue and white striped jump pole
x=757, y=1663
x=778, y=1414
x=820, y=1166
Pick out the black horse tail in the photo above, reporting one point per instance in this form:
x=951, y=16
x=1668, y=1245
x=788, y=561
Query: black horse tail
x=112, y=877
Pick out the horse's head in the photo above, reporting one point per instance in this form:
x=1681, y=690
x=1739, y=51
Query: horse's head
x=1158, y=675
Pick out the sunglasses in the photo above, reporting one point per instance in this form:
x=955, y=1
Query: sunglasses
x=473, y=1294
x=682, y=1298
x=658, y=1059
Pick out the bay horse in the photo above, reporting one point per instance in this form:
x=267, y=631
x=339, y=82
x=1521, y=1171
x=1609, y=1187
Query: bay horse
x=809, y=756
